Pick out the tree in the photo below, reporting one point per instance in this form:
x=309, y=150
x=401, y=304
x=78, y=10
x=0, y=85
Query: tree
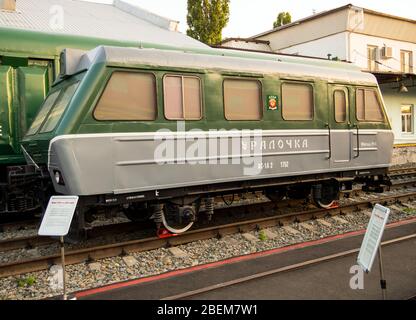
x=282, y=19
x=206, y=19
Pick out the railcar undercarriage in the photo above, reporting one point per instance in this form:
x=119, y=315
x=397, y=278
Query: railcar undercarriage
x=18, y=194
x=176, y=210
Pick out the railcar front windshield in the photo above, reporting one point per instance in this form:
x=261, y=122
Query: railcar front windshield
x=52, y=110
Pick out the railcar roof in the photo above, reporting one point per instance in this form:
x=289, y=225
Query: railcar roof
x=229, y=61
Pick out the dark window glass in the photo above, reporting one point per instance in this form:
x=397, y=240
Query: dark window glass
x=242, y=99
x=59, y=108
x=368, y=106
x=128, y=96
x=40, y=117
x=340, y=104
x=182, y=97
x=297, y=101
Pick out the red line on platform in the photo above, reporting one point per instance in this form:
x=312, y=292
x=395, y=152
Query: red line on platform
x=231, y=260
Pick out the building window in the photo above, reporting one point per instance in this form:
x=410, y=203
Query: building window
x=340, y=105
x=128, y=96
x=407, y=119
x=406, y=61
x=372, y=58
x=182, y=97
x=242, y=99
x=297, y=101
x=368, y=106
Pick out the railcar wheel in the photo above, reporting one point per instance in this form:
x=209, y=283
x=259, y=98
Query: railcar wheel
x=326, y=205
x=178, y=219
x=326, y=195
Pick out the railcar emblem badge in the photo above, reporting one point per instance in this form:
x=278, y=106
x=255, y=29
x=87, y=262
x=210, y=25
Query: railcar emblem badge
x=272, y=102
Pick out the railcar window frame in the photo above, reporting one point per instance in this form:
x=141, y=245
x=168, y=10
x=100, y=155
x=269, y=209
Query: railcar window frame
x=380, y=105
x=261, y=100
x=57, y=94
x=201, y=96
x=347, y=103
x=131, y=71
x=57, y=102
x=308, y=83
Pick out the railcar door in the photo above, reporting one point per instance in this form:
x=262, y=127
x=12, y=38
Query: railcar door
x=339, y=126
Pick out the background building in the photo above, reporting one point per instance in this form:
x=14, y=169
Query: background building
x=379, y=43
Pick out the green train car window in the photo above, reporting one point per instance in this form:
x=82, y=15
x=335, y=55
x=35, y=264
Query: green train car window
x=368, y=106
x=297, y=101
x=242, y=99
x=182, y=97
x=46, y=107
x=340, y=105
x=128, y=96
x=59, y=108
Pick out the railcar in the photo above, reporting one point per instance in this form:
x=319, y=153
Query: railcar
x=30, y=62
x=159, y=133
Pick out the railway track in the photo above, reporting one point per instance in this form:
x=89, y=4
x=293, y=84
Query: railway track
x=18, y=225
x=403, y=177
x=124, y=248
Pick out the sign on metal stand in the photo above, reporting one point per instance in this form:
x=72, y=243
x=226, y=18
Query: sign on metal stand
x=372, y=243
x=56, y=223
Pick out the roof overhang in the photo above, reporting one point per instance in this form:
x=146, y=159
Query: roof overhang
x=392, y=77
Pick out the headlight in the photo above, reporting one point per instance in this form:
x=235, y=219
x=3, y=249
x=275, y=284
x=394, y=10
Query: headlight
x=58, y=177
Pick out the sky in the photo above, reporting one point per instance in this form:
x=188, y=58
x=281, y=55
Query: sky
x=251, y=17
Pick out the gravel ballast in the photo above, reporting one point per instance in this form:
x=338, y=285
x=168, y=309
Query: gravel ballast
x=38, y=285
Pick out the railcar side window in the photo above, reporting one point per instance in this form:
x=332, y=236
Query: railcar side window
x=128, y=96
x=59, y=108
x=182, y=95
x=242, y=99
x=368, y=107
x=340, y=105
x=297, y=101
x=46, y=107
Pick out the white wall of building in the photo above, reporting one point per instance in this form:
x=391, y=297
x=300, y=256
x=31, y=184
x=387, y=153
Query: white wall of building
x=336, y=45
x=353, y=47
x=358, y=51
x=394, y=101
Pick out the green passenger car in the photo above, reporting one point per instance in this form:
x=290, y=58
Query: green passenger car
x=157, y=132
x=29, y=64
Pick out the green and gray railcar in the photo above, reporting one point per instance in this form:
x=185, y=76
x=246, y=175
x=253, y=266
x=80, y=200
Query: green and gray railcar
x=29, y=64
x=159, y=133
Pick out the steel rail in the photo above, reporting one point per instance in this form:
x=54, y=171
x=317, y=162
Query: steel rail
x=140, y=245
x=292, y=267
x=30, y=242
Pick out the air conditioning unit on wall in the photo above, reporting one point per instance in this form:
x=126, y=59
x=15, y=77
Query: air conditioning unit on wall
x=386, y=52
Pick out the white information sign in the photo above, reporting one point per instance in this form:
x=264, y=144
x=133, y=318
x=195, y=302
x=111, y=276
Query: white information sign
x=58, y=216
x=373, y=237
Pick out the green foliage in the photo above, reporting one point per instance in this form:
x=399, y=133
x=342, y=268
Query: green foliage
x=26, y=282
x=262, y=235
x=410, y=210
x=282, y=19
x=206, y=19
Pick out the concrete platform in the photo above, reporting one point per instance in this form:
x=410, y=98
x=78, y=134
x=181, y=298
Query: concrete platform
x=328, y=280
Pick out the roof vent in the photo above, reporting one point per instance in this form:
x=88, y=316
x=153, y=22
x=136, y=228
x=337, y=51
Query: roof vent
x=9, y=5
x=148, y=16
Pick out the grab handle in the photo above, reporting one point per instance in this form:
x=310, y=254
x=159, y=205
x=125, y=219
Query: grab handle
x=329, y=141
x=358, y=142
